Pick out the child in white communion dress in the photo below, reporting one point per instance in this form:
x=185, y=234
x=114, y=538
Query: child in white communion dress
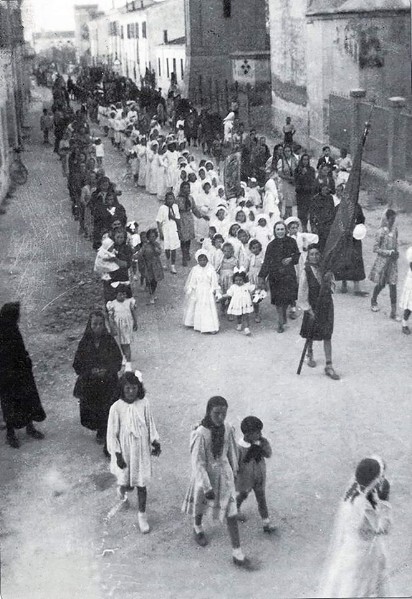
x=357, y=561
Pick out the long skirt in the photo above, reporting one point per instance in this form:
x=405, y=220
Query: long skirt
x=322, y=328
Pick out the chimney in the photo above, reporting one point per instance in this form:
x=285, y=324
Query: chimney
x=165, y=39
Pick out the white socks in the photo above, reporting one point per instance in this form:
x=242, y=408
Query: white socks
x=238, y=554
x=265, y=521
x=198, y=529
x=128, y=367
x=404, y=322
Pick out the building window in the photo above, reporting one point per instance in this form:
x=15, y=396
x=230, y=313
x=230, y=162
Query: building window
x=174, y=67
x=167, y=68
x=182, y=69
x=132, y=34
x=136, y=30
x=159, y=67
x=128, y=31
x=144, y=29
x=122, y=32
x=227, y=9
x=165, y=40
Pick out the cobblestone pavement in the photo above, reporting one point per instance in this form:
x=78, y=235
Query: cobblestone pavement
x=56, y=494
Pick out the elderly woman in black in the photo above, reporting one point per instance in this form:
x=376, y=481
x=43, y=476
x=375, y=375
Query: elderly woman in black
x=278, y=267
x=97, y=361
x=20, y=401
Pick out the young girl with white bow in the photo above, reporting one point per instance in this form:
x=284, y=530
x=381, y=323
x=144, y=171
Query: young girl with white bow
x=132, y=439
x=240, y=295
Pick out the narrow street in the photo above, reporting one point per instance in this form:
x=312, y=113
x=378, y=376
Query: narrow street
x=56, y=494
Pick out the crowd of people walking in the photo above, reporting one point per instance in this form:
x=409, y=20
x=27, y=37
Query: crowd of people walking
x=266, y=237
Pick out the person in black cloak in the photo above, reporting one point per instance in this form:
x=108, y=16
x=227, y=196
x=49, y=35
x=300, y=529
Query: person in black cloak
x=20, y=401
x=97, y=361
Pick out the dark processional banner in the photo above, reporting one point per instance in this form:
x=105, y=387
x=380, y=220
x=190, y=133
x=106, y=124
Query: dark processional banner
x=231, y=175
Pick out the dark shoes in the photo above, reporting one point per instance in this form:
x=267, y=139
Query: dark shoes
x=200, y=538
x=12, y=440
x=245, y=564
x=33, y=432
x=406, y=330
x=330, y=372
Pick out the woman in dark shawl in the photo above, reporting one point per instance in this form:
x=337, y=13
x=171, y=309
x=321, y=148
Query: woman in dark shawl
x=20, y=401
x=278, y=267
x=97, y=361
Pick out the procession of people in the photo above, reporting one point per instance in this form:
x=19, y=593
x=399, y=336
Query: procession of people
x=240, y=242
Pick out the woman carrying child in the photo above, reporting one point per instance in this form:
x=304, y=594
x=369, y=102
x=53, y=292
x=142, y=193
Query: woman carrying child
x=132, y=439
x=214, y=467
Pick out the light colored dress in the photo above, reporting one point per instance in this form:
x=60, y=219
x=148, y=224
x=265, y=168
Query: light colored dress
x=226, y=269
x=149, y=173
x=406, y=297
x=131, y=431
x=357, y=561
x=241, y=302
x=200, y=310
x=142, y=156
x=209, y=473
x=121, y=314
x=271, y=200
x=169, y=227
x=215, y=257
x=160, y=177
x=254, y=266
x=385, y=268
x=172, y=170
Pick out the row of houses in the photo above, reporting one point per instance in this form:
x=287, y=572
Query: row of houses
x=14, y=85
x=139, y=36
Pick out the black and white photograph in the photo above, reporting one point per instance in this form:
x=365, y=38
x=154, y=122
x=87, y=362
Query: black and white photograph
x=205, y=299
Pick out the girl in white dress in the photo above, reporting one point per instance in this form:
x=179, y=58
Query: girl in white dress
x=240, y=295
x=122, y=320
x=255, y=264
x=171, y=165
x=215, y=253
x=202, y=288
x=168, y=224
x=271, y=200
x=132, y=439
x=151, y=184
x=406, y=298
x=160, y=174
x=263, y=232
x=357, y=562
x=142, y=156
x=303, y=240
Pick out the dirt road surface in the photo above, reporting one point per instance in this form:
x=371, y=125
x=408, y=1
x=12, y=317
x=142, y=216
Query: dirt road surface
x=55, y=495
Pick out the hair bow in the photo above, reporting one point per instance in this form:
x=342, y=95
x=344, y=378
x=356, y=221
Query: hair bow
x=237, y=270
x=138, y=375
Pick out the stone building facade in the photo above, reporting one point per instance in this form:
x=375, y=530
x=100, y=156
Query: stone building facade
x=215, y=31
x=324, y=47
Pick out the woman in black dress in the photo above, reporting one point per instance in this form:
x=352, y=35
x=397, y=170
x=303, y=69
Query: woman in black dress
x=305, y=185
x=278, y=267
x=318, y=317
x=350, y=266
x=107, y=212
x=97, y=361
x=20, y=401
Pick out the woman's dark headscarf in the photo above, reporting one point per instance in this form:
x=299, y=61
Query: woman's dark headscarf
x=88, y=333
x=218, y=432
x=10, y=313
